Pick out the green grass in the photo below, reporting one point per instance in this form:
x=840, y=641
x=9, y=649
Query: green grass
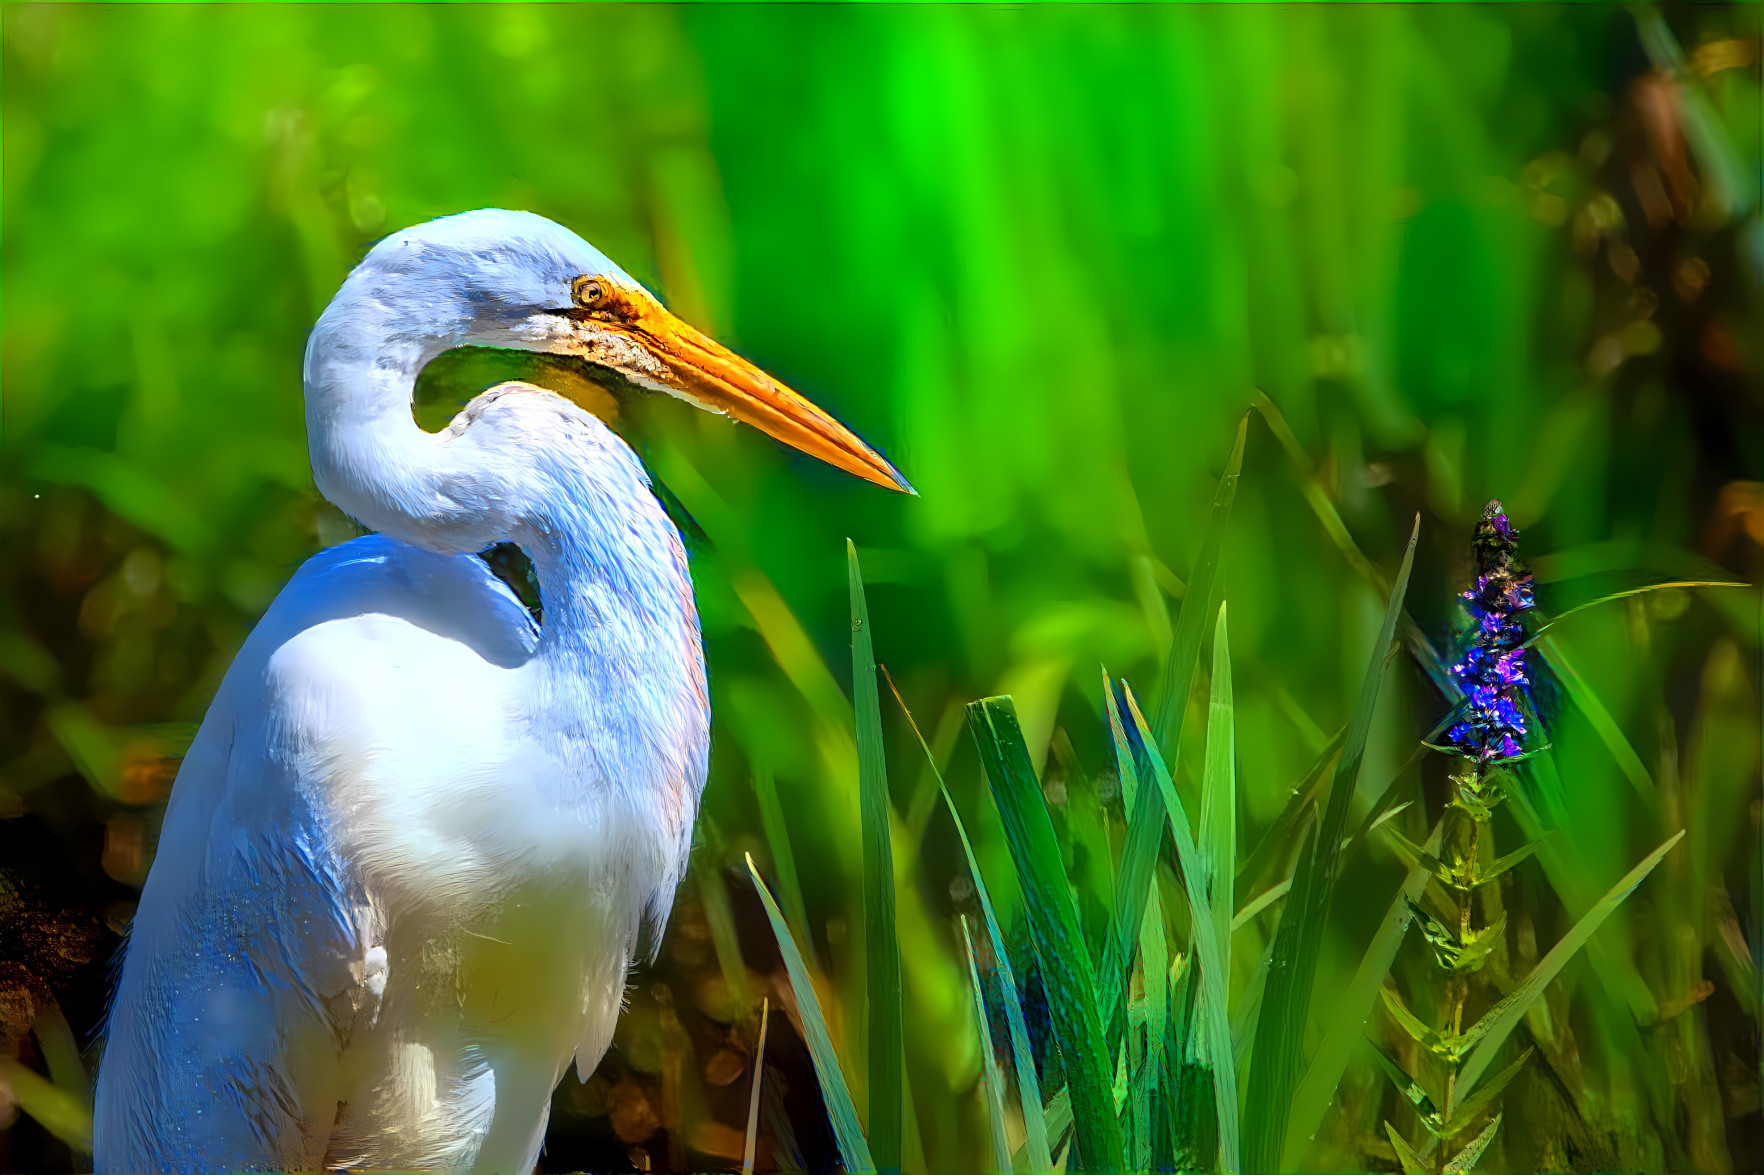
x=1135, y=1119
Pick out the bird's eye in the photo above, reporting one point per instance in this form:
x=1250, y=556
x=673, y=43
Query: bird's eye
x=588, y=292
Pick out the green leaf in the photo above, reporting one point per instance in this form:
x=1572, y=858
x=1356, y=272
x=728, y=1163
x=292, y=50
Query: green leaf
x=1066, y=972
x=1411, y=1162
x=1472, y=1107
x=1455, y=952
x=1345, y=1030
x=854, y=1151
x=1446, y=1048
x=1412, y=1090
x=1022, y=1052
x=881, y=946
x=989, y=1075
x=1215, y=1027
x=1278, y=1052
x=1493, y=1028
x=1466, y=1159
x=1502, y=864
x=1139, y=853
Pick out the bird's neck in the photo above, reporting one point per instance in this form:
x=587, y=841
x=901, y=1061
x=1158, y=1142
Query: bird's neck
x=369, y=457
x=617, y=684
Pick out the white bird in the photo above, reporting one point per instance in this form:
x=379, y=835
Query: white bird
x=406, y=861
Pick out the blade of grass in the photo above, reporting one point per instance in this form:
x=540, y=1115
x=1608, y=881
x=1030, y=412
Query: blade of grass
x=1215, y=1027
x=881, y=946
x=989, y=1076
x=1500, y=1020
x=1139, y=853
x=1315, y=1092
x=765, y=789
x=1259, y=903
x=1053, y=927
x=724, y=938
x=1589, y=704
x=1154, y=955
x=854, y=1151
x=1277, y=1055
x=1414, y=637
x=749, y=1151
x=1249, y=1006
x=1219, y=795
x=1277, y=840
x=1566, y=870
x=55, y=1109
x=1022, y=1052
x=1203, y=587
x=1538, y=633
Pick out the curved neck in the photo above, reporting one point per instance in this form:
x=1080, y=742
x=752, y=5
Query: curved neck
x=368, y=455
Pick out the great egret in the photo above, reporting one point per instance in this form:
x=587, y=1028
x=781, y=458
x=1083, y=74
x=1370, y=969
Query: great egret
x=407, y=859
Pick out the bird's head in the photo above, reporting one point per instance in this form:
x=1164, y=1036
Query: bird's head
x=517, y=280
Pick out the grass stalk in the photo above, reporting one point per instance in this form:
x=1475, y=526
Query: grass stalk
x=881, y=945
x=1276, y=1056
x=1066, y=971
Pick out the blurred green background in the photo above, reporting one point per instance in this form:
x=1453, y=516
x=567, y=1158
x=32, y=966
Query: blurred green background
x=1044, y=257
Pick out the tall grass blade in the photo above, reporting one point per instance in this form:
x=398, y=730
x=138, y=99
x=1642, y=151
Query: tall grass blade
x=765, y=790
x=1609, y=732
x=1277, y=1055
x=1215, y=1026
x=1275, y=843
x=1259, y=903
x=60, y=1112
x=989, y=1076
x=1426, y=656
x=854, y=1151
x=1501, y=1019
x=881, y=947
x=1203, y=588
x=1315, y=1092
x=751, y=1148
x=1022, y=1052
x=1053, y=927
x=1139, y=854
x=1219, y=795
x=1679, y=584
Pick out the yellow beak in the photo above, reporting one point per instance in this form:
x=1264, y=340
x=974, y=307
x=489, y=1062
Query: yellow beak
x=704, y=371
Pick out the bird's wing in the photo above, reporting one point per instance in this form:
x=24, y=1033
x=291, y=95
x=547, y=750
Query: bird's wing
x=256, y=953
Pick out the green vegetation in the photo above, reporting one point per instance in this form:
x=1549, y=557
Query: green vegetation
x=1177, y=318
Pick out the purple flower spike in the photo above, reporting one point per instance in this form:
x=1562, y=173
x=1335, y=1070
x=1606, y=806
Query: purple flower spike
x=1492, y=665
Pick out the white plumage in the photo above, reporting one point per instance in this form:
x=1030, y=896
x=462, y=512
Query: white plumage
x=407, y=859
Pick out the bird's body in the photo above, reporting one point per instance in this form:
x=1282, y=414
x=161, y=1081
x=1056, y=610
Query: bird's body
x=408, y=858
x=446, y=823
